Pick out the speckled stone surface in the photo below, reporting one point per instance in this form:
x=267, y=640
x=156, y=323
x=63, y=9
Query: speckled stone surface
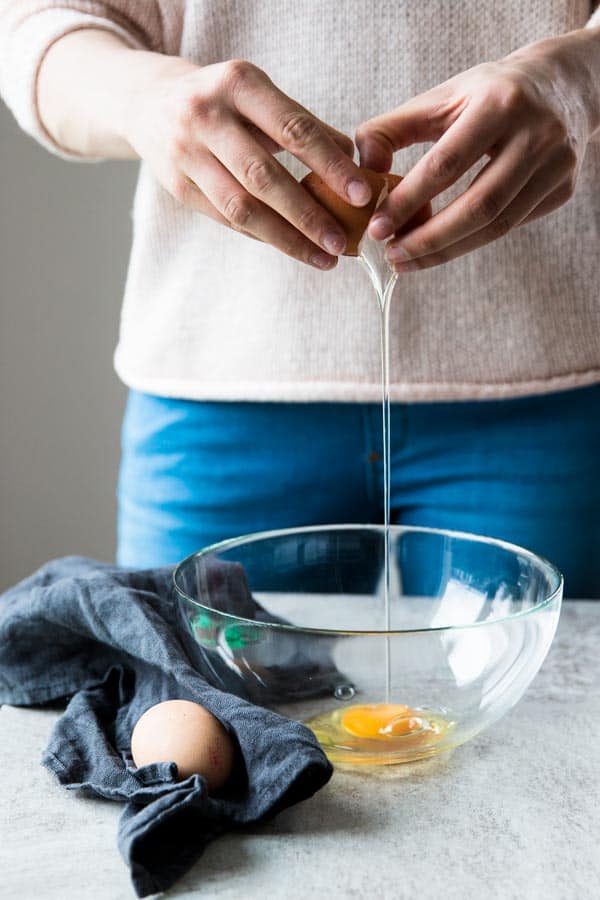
x=513, y=814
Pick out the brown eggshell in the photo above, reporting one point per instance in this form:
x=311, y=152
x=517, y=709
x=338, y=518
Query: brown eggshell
x=354, y=219
x=185, y=733
x=393, y=180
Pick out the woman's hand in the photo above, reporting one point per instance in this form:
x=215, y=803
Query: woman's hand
x=210, y=134
x=531, y=113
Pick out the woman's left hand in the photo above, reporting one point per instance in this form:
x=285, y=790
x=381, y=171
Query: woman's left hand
x=531, y=113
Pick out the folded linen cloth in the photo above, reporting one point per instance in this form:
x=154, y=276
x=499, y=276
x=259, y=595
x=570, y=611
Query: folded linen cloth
x=107, y=639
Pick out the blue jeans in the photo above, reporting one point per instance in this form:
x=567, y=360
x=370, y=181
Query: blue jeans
x=526, y=470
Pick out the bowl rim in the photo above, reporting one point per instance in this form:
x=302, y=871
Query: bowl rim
x=230, y=543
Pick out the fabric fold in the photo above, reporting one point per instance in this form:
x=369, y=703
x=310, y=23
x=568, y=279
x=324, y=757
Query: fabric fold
x=106, y=639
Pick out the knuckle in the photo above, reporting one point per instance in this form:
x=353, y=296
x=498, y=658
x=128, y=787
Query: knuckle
x=557, y=130
x=500, y=226
x=191, y=108
x=443, y=165
x=509, y=95
x=484, y=209
x=335, y=169
x=258, y=175
x=426, y=246
x=551, y=134
x=569, y=155
x=307, y=220
x=369, y=133
x=565, y=191
x=185, y=115
x=237, y=210
x=362, y=132
x=178, y=147
x=298, y=130
x=534, y=145
x=181, y=188
x=238, y=74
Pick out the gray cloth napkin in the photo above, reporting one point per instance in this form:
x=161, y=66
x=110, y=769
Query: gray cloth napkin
x=107, y=639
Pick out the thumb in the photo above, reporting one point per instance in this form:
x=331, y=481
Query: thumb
x=424, y=118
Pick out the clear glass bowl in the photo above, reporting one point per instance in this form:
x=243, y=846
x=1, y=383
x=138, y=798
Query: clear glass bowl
x=295, y=620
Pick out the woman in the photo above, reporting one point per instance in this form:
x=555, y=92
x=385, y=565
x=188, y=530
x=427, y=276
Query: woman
x=254, y=379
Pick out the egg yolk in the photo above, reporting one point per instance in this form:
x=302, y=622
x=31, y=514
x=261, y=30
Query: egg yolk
x=381, y=720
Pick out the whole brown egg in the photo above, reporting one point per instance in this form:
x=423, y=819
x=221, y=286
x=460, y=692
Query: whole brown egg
x=187, y=734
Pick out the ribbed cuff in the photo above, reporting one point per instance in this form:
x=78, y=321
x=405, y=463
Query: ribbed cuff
x=22, y=52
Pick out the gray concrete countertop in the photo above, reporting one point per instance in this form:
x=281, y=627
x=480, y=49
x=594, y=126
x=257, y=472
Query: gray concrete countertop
x=513, y=814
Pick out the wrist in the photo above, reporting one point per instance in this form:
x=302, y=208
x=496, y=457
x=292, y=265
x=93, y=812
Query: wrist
x=79, y=103
x=91, y=87
x=578, y=56
x=150, y=80
x=569, y=68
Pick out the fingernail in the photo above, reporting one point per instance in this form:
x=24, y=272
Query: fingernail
x=322, y=261
x=358, y=192
x=334, y=243
x=397, y=254
x=381, y=227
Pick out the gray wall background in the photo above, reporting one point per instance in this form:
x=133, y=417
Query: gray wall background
x=65, y=233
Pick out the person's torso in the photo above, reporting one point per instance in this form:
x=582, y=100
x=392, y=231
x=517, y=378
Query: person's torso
x=516, y=316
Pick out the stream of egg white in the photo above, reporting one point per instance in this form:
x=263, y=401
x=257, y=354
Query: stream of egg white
x=383, y=279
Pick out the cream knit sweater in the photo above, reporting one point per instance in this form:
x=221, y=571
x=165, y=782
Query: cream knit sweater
x=209, y=314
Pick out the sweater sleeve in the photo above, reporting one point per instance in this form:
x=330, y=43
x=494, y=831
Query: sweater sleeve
x=28, y=28
x=594, y=20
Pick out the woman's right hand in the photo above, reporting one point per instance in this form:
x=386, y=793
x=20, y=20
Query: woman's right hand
x=209, y=135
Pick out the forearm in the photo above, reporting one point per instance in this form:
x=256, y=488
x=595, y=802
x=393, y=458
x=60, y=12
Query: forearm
x=87, y=88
